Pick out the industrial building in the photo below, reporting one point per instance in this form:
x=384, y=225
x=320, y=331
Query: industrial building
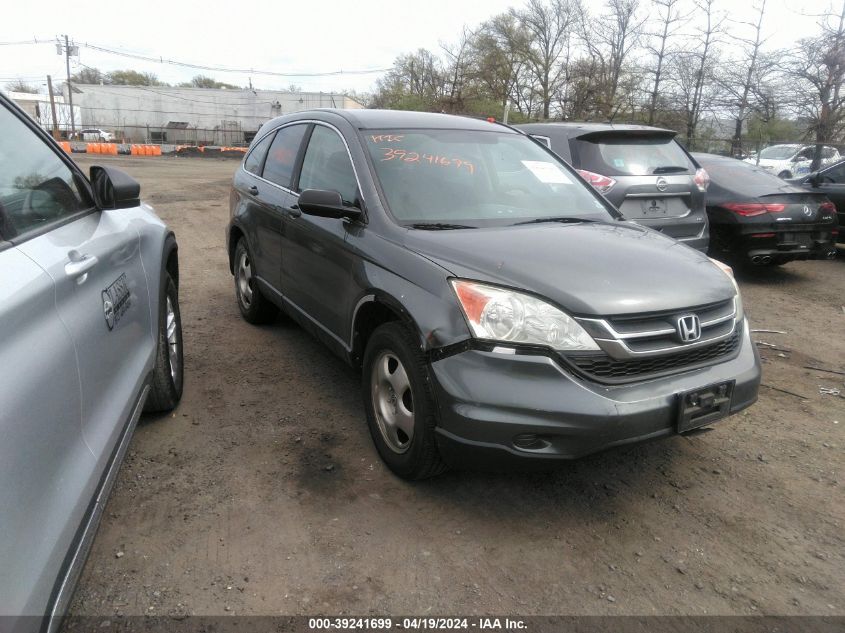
x=192, y=116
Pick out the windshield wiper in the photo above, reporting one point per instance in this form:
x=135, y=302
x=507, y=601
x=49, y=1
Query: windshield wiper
x=562, y=219
x=438, y=226
x=670, y=169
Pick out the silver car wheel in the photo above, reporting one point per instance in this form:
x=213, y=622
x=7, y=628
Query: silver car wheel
x=393, y=402
x=172, y=340
x=245, y=279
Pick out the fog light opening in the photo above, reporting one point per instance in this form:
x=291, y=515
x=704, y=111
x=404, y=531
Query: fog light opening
x=529, y=442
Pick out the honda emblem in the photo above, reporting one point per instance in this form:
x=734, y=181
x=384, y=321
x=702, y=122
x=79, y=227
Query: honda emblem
x=689, y=328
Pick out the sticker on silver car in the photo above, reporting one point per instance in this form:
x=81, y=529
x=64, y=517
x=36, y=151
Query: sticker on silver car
x=116, y=301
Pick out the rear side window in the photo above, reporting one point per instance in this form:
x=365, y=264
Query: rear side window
x=255, y=159
x=630, y=155
x=281, y=158
x=36, y=187
x=327, y=166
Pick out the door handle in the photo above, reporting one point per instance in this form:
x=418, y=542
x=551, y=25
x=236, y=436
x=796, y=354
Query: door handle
x=295, y=211
x=79, y=264
x=253, y=190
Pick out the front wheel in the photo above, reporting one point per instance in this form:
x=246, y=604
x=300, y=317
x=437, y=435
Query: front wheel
x=168, y=375
x=401, y=413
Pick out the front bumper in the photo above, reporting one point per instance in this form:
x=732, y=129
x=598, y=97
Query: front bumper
x=489, y=402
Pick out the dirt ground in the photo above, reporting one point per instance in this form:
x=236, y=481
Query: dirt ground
x=263, y=493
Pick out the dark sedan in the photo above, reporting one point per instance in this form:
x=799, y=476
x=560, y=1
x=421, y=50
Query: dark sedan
x=830, y=182
x=757, y=218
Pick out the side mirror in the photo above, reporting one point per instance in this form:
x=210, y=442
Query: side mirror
x=813, y=179
x=326, y=204
x=114, y=189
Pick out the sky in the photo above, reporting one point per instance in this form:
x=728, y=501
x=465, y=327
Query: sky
x=313, y=36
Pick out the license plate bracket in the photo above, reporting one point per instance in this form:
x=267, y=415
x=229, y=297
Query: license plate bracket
x=702, y=406
x=654, y=206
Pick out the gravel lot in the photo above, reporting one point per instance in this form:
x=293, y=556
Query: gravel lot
x=263, y=494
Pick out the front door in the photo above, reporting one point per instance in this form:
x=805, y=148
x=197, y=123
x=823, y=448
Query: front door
x=47, y=472
x=316, y=263
x=103, y=299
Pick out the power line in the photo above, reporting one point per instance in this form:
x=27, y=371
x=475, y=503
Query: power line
x=222, y=69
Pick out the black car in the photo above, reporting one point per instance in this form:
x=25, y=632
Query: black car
x=758, y=218
x=497, y=305
x=830, y=182
x=642, y=170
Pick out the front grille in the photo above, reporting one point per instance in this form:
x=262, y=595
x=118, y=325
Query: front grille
x=603, y=368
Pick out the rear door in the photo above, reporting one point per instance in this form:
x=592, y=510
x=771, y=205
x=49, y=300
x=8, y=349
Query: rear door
x=46, y=469
x=654, y=179
x=271, y=195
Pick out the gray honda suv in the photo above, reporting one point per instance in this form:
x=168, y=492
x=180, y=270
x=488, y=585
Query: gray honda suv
x=90, y=336
x=642, y=170
x=498, y=307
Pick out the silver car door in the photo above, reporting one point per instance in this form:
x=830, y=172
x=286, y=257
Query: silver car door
x=102, y=296
x=45, y=466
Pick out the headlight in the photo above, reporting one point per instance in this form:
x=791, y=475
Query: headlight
x=504, y=315
x=730, y=273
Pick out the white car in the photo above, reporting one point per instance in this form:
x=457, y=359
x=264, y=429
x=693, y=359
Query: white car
x=96, y=135
x=791, y=160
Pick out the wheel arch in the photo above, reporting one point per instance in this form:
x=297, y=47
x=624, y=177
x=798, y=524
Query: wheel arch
x=236, y=232
x=373, y=309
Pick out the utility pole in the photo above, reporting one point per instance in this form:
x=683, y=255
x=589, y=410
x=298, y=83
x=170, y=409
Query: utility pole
x=69, y=87
x=53, y=107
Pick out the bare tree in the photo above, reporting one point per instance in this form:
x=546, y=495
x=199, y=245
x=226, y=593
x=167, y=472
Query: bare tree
x=817, y=65
x=609, y=42
x=671, y=20
x=743, y=79
x=458, y=69
x=549, y=23
x=19, y=85
x=694, y=69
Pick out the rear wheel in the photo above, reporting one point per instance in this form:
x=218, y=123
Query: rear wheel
x=255, y=308
x=785, y=174
x=400, y=408
x=168, y=375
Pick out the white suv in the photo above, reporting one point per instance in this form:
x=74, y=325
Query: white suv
x=96, y=135
x=791, y=160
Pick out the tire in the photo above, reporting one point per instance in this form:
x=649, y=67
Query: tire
x=784, y=175
x=254, y=306
x=405, y=443
x=168, y=375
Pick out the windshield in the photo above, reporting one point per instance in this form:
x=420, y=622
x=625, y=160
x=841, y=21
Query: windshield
x=632, y=155
x=462, y=178
x=779, y=152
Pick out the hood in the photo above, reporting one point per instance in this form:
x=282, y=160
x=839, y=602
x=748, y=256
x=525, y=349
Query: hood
x=595, y=269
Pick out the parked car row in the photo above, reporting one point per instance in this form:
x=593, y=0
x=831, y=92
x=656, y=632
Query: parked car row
x=752, y=215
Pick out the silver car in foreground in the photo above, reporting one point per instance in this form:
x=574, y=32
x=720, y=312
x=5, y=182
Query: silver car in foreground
x=90, y=336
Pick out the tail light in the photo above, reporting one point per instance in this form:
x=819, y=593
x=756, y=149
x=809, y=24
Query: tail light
x=701, y=179
x=600, y=182
x=749, y=209
x=827, y=207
